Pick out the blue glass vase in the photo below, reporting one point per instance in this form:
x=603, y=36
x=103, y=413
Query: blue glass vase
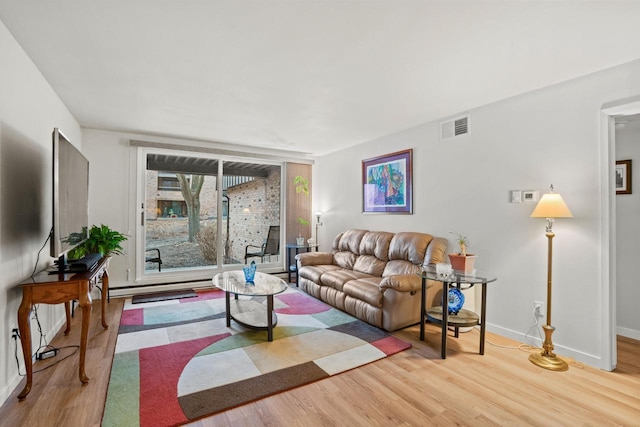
x=249, y=272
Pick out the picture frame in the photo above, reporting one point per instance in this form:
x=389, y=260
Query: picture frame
x=387, y=183
x=623, y=177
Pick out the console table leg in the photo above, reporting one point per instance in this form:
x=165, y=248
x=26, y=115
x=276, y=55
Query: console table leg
x=105, y=291
x=227, y=304
x=85, y=304
x=67, y=312
x=25, y=338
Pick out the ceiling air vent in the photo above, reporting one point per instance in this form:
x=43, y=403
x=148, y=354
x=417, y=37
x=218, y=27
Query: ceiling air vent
x=456, y=127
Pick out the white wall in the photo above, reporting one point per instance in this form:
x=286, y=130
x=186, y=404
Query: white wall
x=549, y=136
x=29, y=110
x=628, y=236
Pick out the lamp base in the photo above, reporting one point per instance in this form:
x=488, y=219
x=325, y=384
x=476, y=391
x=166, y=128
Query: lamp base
x=553, y=363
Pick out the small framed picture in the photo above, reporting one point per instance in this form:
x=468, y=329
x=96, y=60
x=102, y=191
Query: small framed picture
x=623, y=177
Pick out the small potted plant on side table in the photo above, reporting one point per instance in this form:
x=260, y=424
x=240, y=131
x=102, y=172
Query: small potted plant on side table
x=462, y=261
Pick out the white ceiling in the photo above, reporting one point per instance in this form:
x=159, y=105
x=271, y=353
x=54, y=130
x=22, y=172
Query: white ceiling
x=312, y=76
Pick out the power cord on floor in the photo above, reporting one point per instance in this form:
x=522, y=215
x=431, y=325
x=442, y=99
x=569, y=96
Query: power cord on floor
x=17, y=337
x=43, y=337
x=531, y=349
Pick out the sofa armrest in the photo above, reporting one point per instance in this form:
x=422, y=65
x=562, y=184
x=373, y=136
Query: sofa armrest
x=402, y=283
x=314, y=258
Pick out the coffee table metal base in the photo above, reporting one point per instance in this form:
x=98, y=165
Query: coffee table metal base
x=252, y=314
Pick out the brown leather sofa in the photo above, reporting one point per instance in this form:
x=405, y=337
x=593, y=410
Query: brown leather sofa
x=372, y=275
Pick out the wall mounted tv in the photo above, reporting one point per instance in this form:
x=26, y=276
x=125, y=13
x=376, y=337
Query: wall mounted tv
x=70, y=198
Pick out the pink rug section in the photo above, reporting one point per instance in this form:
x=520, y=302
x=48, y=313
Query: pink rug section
x=391, y=345
x=133, y=316
x=160, y=370
x=301, y=304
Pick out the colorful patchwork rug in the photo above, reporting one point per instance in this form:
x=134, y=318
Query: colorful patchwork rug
x=176, y=361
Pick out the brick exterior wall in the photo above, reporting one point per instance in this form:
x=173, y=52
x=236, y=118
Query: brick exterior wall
x=253, y=207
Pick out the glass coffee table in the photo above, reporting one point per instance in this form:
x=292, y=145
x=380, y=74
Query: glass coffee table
x=248, y=312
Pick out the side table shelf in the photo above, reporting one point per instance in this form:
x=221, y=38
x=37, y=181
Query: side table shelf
x=464, y=318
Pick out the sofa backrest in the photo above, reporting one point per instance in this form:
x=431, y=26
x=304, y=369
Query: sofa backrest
x=407, y=252
x=374, y=253
x=381, y=253
x=346, y=248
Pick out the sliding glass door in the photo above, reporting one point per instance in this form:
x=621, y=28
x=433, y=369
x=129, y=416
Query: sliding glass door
x=205, y=213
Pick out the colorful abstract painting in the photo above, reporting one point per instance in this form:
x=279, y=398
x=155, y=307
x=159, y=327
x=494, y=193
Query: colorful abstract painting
x=387, y=183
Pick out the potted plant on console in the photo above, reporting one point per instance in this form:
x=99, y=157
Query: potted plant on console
x=462, y=261
x=102, y=240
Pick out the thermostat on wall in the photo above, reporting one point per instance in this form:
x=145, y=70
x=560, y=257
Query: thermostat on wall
x=530, y=196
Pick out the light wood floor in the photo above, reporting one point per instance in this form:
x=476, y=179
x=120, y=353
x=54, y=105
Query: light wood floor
x=414, y=387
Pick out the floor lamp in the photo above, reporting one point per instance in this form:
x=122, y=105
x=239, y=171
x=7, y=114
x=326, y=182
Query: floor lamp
x=550, y=206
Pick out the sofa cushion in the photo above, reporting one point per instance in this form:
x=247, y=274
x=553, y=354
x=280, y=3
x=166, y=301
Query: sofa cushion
x=409, y=246
x=313, y=272
x=399, y=266
x=374, y=249
x=370, y=265
x=344, y=259
x=402, y=283
x=337, y=278
x=376, y=243
x=365, y=289
x=350, y=241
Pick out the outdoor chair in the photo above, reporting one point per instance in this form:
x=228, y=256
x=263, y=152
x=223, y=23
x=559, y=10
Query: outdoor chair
x=153, y=255
x=270, y=247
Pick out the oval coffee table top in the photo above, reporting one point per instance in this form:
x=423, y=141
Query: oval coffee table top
x=263, y=284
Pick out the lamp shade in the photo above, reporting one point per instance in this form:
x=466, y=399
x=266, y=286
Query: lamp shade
x=551, y=205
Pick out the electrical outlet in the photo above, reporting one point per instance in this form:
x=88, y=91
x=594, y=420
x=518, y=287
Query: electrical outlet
x=538, y=308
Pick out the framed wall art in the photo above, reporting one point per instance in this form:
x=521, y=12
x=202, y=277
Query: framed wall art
x=387, y=183
x=623, y=177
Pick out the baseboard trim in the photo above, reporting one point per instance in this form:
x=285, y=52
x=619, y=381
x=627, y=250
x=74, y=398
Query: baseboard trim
x=628, y=333
x=580, y=356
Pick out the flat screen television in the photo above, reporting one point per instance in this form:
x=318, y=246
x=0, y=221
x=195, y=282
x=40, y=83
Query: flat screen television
x=70, y=198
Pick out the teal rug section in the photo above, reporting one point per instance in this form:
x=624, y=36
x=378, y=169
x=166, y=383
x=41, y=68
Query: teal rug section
x=122, y=407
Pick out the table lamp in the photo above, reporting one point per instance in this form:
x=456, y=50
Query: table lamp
x=550, y=206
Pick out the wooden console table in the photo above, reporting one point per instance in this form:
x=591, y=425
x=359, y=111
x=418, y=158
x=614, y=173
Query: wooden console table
x=45, y=288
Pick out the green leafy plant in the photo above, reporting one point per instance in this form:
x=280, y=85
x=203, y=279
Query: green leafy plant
x=462, y=241
x=102, y=240
x=301, y=185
